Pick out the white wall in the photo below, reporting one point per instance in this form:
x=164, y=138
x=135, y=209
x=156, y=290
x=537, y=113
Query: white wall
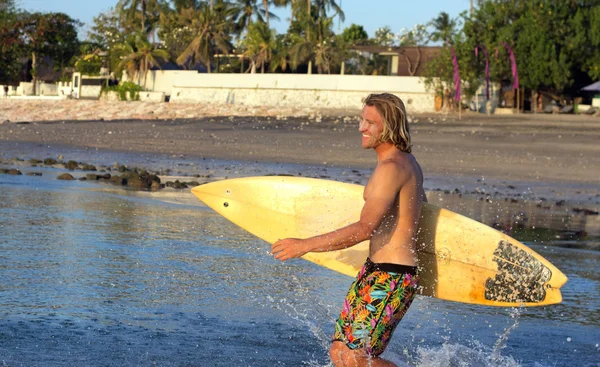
x=298, y=90
x=158, y=80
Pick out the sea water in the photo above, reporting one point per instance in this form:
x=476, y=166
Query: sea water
x=93, y=275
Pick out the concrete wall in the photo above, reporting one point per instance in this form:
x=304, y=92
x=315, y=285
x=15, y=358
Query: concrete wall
x=297, y=90
x=45, y=89
x=90, y=91
x=64, y=88
x=144, y=96
x=159, y=80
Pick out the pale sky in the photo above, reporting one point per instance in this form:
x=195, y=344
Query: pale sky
x=371, y=14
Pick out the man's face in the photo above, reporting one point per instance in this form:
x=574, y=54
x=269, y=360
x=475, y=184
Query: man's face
x=371, y=127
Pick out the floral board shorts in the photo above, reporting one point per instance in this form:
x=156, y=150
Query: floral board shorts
x=374, y=305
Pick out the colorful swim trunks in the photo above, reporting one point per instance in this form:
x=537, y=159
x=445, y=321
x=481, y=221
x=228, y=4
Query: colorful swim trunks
x=375, y=303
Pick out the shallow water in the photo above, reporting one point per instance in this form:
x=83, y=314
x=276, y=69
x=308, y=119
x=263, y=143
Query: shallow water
x=100, y=276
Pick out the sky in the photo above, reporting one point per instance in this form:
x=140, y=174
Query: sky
x=371, y=14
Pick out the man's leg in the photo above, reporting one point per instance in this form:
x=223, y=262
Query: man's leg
x=342, y=356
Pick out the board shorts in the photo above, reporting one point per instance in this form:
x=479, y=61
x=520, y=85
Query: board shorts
x=374, y=305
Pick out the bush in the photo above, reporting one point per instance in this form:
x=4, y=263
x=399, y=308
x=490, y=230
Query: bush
x=124, y=88
x=89, y=65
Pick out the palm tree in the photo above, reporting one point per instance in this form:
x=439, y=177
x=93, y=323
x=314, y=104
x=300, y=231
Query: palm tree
x=244, y=10
x=318, y=44
x=130, y=9
x=210, y=26
x=444, y=28
x=137, y=54
x=260, y=44
x=185, y=4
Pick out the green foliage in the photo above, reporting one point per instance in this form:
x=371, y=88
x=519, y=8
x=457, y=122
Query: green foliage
x=210, y=29
x=137, y=54
x=553, y=41
x=355, y=34
x=260, y=43
x=124, y=89
x=11, y=47
x=89, y=64
x=384, y=37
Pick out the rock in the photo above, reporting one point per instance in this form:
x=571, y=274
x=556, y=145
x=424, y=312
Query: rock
x=118, y=180
x=50, y=161
x=66, y=176
x=141, y=181
x=14, y=171
x=88, y=167
x=3, y=170
x=34, y=173
x=71, y=165
x=82, y=178
x=176, y=184
x=34, y=161
x=92, y=177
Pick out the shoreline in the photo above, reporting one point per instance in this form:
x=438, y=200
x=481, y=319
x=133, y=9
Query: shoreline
x=538, y=157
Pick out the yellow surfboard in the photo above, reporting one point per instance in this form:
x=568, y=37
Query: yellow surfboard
x=460, y=259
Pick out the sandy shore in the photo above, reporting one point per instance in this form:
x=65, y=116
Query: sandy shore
x=553, y=155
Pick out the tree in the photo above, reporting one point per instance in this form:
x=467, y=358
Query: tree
x=131, y=10
x=11, y=46
x=106, y=30
x=556, y=43
x=137, y=54
x=210, y=33
x=321, y=45
x=444, y=28
x=181, y=5
x=384, y=37
x=415, y=37
x=260, y=43
x=48, y=34
x=355, y=34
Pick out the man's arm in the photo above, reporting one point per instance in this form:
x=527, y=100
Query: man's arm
x=380, y=194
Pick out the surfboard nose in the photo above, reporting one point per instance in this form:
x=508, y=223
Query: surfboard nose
x=212, y=194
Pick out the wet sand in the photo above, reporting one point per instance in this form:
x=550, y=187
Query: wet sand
x=549, y=155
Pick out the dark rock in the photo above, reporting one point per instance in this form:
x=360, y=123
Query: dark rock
x=50, y=161
x=176, y=184
x=82, y=178
x=88, y=167
x=92, y=177
x=34, y=173
x=118, y=180
x=3, y=170
x=34, y=161
x=105, y=176
x=585, y=211
x=14, y=171
x=71, y=165
x=65, y=176
x=142, y=181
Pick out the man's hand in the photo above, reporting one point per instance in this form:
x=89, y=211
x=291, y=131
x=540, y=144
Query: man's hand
x=288, y=248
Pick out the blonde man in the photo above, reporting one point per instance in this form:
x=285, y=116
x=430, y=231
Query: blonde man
x=386, y=285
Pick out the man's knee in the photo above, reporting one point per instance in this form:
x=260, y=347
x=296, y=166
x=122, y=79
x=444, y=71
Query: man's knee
x=341, y=355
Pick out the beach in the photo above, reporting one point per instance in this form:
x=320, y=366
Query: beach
x=541, y=156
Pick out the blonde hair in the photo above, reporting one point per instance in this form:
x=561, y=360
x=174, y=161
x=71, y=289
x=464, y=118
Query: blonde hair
x=392, y=112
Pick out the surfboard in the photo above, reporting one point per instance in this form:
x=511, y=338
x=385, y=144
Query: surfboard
x=460, y=259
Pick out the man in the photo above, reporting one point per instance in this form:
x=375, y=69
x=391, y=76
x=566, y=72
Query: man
x=387, y=283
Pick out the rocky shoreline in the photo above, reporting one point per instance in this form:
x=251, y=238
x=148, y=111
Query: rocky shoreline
x=39, y=110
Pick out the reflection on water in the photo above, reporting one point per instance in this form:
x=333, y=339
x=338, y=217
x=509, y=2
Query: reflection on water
x=101, y=276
